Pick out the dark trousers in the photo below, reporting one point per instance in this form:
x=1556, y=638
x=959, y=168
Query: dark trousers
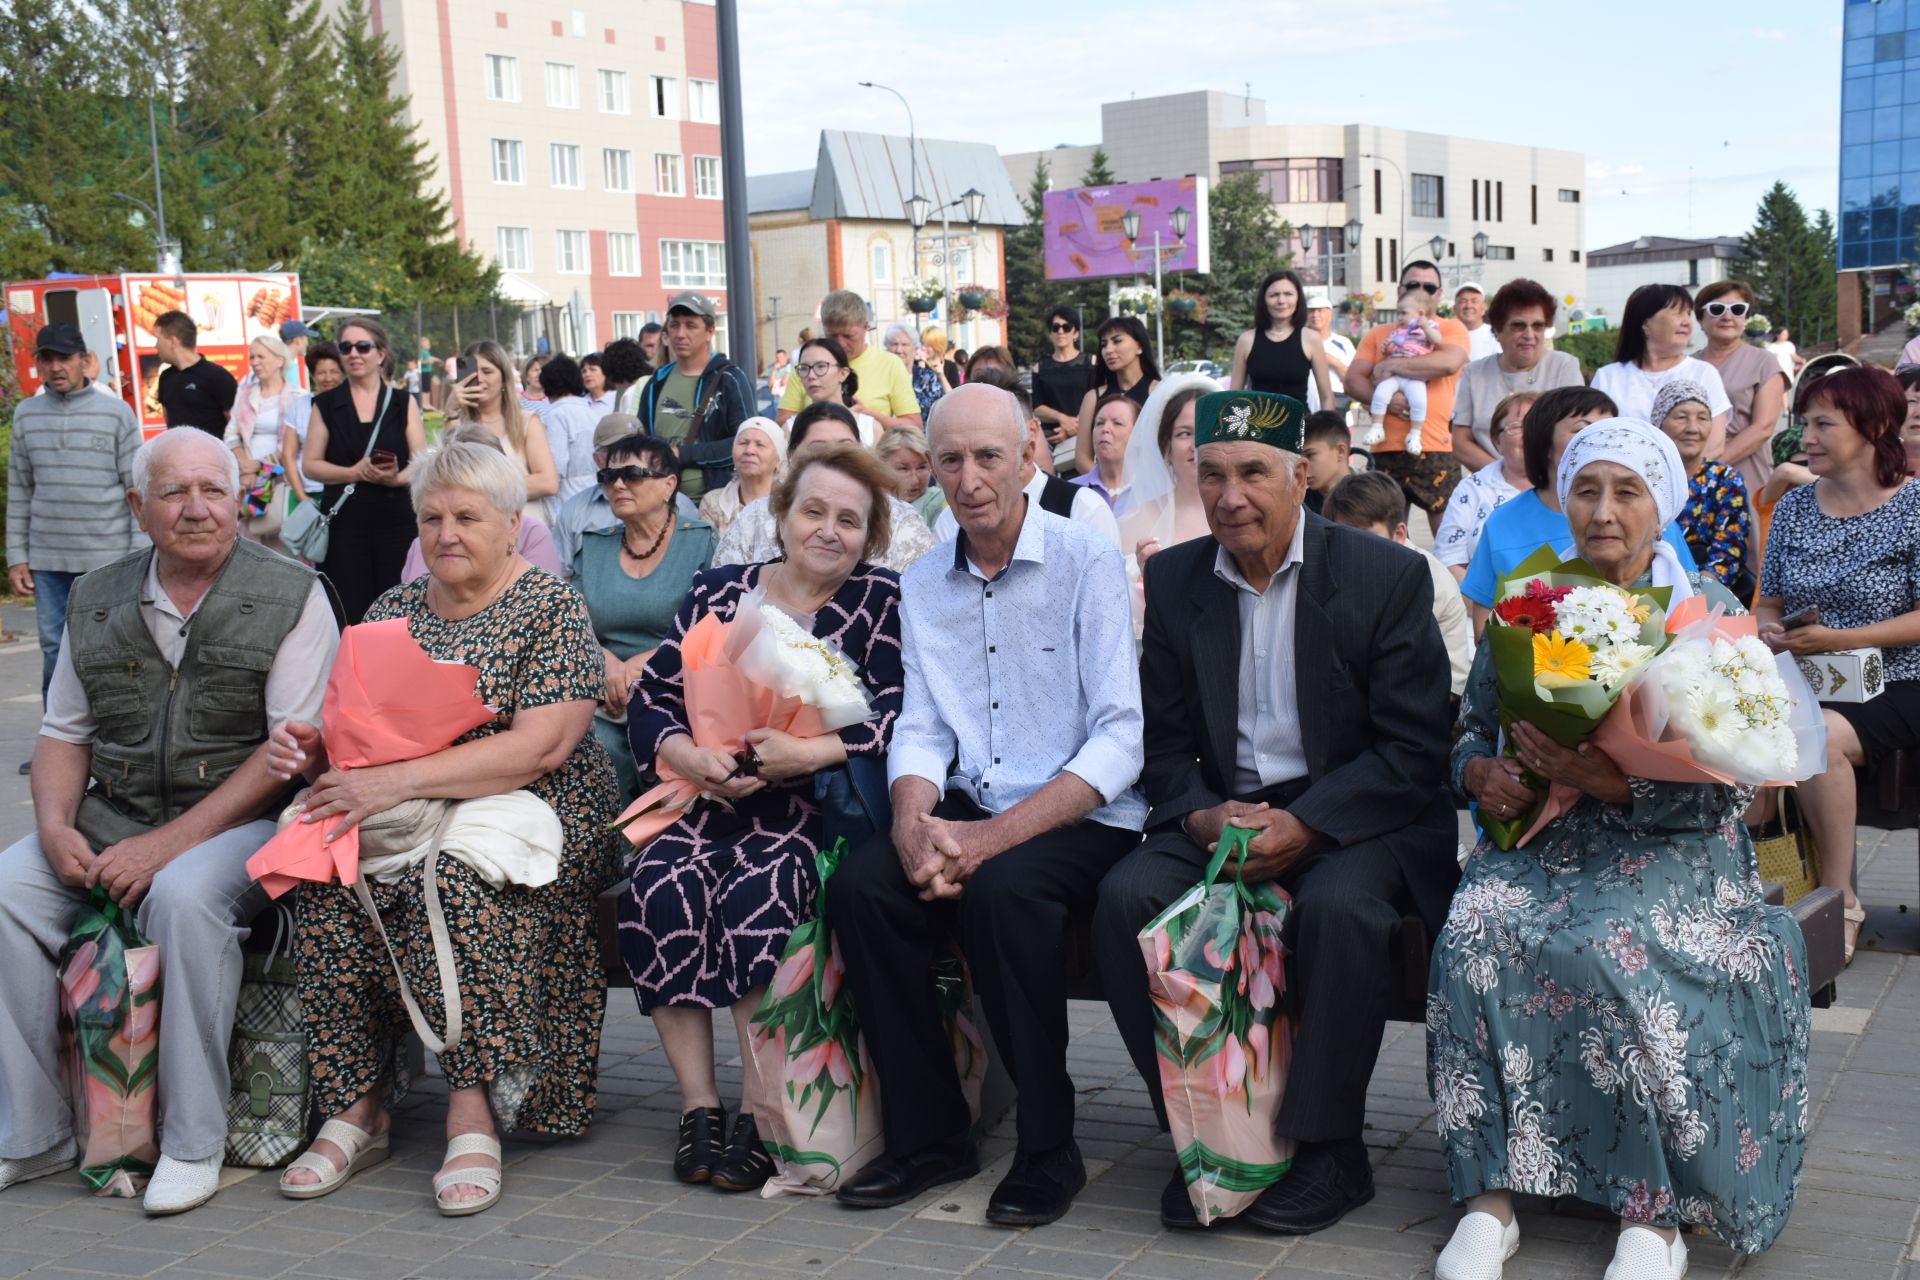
x=1011, y=922
x=1347, y=904
x=365, y=557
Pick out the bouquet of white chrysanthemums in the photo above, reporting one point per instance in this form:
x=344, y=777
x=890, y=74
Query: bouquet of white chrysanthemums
x=1717, y=705
x=770, y=646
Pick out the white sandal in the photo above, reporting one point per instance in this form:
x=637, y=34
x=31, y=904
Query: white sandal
x=362, y=1149
x=488, y=1180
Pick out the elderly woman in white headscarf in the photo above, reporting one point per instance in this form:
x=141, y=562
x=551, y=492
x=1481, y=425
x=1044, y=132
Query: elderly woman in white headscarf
x=759, y=456
x=1614, y=1012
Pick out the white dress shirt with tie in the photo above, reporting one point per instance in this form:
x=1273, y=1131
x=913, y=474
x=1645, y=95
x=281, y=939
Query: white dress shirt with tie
x=1015, y=679
x=1268, y=748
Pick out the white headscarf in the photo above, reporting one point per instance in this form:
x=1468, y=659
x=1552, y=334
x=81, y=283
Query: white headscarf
x=776, y=436
x=1145, y=509
x=1645, y=451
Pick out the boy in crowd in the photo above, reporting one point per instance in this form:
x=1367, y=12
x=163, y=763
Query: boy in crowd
x=1325, y=448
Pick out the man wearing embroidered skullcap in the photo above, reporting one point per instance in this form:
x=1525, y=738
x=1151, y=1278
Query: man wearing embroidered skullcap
x=1294, y=683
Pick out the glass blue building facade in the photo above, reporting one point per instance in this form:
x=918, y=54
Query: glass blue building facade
x=1880, y=135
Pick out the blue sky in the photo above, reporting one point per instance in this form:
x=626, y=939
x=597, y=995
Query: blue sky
x=1687, y=110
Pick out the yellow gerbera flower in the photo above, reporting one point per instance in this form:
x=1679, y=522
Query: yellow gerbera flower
x=1559, y=661
x=1639, y=608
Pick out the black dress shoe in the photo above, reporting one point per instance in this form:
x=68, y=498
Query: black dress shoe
x=26, y=767
x=1176, y=1206
x=746, y=1164
x=1328, y=1181
x=703, y=1131
x=1039, y=1189
x=889, y=1181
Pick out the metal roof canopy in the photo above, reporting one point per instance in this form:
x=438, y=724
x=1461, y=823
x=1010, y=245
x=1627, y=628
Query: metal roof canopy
x=866, y=176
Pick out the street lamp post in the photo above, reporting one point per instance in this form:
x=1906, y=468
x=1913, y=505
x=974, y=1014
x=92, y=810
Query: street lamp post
x=1178, y=220
x=1352, y=230
x=913, y=164
x=1405, y=195
x=919, y=210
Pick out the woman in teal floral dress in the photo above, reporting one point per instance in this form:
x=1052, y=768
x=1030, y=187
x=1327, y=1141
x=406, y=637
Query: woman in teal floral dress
x=1614, y=1013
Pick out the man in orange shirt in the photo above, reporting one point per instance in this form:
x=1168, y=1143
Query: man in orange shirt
x=1428, y=477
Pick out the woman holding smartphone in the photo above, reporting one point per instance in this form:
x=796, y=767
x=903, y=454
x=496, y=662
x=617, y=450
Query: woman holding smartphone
x=361, y=442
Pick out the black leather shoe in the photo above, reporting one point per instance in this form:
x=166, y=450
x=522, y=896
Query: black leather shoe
x=26, y=768
x=746, y=1164
x=1039, y=1189
x=703, y=1133
x=889, y=1181
x=1328, y=1181
x=1176, y=1206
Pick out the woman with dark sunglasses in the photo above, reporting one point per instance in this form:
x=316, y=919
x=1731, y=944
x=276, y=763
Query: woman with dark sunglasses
x=633, y=575
x=1061, y=380
x=1754, y=384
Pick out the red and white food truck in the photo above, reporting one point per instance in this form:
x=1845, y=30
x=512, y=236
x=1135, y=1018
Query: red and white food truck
x=114, y=312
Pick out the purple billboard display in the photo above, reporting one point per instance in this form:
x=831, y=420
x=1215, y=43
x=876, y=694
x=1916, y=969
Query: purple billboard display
x=1086, y=235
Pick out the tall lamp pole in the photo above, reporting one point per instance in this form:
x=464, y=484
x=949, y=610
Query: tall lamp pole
x=733, y=189
x=913, y=164
x=1178, y=220
x=919, y=209
x=1308, y=232
x=1405, y=195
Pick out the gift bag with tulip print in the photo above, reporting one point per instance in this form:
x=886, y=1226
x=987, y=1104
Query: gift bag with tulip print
x=1217, y=974
x=110, y=1007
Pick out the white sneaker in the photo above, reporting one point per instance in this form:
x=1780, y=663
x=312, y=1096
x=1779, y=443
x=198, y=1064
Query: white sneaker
x=1480, y=1247
x=55, y=1159
x=1641, y=1254
x=180, y=1185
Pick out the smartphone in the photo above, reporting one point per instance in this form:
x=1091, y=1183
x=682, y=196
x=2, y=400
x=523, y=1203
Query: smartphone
x=463, y=369
x=384, y=458
x=1807, y=617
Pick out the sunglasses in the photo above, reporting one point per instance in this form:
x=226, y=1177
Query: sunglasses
x=632, y=475
x=359, y=348
x=1735, y=309
x=1057, y=327
x=1411, y=285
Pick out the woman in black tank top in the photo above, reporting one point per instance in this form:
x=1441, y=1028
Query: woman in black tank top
x=370, y=532
x=1280, y=353
x=1126, y=368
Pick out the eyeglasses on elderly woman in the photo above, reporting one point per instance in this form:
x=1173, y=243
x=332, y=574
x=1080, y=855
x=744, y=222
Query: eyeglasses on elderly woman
x=631, y=474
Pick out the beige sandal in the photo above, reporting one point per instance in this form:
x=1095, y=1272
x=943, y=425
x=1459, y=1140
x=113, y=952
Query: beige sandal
x=362, y=1150
x=488, y=1180
x=1856, y=916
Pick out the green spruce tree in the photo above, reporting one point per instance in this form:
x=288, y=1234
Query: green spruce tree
x=1788, y=262
x=1030, y=295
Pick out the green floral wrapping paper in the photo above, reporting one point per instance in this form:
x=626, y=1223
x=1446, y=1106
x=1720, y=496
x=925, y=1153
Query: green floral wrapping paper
x=110, y=1008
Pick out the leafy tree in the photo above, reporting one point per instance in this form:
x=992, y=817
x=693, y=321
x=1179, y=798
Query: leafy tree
x=1248, y=243
x=1788, y=263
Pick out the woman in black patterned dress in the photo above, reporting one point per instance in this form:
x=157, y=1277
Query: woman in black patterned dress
x=714, y=897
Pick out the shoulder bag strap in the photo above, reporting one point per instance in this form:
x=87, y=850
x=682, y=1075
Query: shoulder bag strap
x=706, y=403
x=442, y=946
x=373, y=438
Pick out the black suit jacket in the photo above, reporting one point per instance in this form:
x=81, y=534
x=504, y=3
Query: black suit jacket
x=1372, y=679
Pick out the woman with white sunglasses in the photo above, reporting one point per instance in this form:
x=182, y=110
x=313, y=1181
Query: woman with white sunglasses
x=1755, y=386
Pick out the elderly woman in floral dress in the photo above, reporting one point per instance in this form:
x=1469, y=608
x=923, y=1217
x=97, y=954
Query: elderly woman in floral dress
x=1614, y=1012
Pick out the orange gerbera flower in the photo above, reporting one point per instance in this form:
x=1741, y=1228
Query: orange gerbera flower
x=1560, y=661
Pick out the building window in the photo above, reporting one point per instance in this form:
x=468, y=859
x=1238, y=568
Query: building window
x=507, y=161
x=616, y=167
x=1573, y=255
x=1546, y=255
x=627, y=324
x=571, y=248
x=882, y=263
x=563, y=85
x=623, y=253
x=706, y=177
x=1379, y=252
x=513, y=249
x=703, y=101
x=1499, y=202
x=1376, y=195
x=503, y=78
x=1535, y=199
x=563, y=164
x=1317, y=181
x=666, y=173
x=1569, y=196
x=613, y=92
x=1499, y=253
x=693, y=264
x=664, y=100
x=1429, y=195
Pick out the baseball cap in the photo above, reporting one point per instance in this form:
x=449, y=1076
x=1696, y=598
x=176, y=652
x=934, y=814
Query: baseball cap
x=1466, y=285
x=698, y=304
x=615, y=426
x=63, y=339
x=1318, y=302
x=291, y=329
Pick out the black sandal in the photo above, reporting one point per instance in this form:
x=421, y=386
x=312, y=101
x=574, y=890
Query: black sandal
x=746, y=1165
x=702, y=1131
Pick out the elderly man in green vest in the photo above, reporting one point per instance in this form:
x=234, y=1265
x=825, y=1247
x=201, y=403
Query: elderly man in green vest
x=150, y=782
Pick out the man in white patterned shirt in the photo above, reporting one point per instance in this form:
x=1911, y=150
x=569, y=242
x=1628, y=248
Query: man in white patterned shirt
x=1012, y=766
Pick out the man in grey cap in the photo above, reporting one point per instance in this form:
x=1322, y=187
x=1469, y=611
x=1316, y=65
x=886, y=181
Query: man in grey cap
x=295, y=334
x=589, y=509
x=68, y=470
x=698, y=398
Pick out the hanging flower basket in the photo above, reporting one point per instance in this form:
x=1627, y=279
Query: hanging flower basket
x=1187, y=306
x=971, y=299
x=1136, y=300
x=978, y=300
x=922, y=295
x=921, y=306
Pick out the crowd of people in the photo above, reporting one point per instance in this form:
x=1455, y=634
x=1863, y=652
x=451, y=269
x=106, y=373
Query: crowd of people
x=1076, y=683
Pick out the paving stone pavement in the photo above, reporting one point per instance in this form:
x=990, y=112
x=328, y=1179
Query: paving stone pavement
x=606, y=1205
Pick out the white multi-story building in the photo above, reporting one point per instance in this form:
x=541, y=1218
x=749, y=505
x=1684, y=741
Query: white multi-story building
x=1617, y=270
x=578, y=146
x=1406, y=188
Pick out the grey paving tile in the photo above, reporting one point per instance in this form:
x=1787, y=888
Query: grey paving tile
x=117, y=1260
x=233, y=1260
